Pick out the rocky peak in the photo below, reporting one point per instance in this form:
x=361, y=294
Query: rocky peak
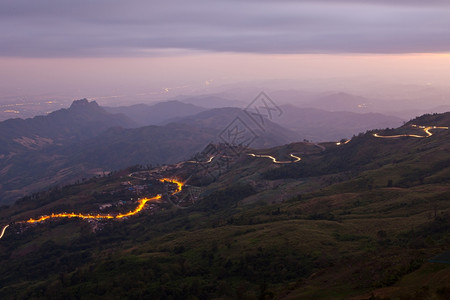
x=83, y=103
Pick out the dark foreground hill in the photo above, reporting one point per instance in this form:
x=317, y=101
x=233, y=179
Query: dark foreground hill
x=361, y=220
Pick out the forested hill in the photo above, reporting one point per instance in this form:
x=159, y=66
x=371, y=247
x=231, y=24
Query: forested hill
x=359, y=219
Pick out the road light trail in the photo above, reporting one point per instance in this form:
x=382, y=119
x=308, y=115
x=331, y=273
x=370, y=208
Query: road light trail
x=201, y=162
x=426, y=129
x=179, y=184
x=275, y=161
x=140, y=207
x=397, y=136
x=342, y=143
x=3, y=231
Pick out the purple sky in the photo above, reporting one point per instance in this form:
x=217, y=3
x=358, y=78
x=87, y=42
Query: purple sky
x=65, y=28
x=61, y=43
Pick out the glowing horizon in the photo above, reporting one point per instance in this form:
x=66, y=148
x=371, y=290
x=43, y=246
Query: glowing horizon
x=162, y=77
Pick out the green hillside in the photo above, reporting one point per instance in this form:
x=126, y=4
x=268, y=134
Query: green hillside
x=360, y=220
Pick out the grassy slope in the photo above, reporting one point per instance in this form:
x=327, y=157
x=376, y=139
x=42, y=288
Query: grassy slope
x=324, y=234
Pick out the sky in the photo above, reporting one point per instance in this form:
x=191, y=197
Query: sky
x=107, y=47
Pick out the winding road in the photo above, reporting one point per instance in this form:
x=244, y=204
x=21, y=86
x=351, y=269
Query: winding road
x=426, y=129
x=275, y=161
x=201, y=162
x=140, y=207
x=144, y=201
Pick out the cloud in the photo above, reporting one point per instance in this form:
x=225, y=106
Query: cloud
x=64, y=28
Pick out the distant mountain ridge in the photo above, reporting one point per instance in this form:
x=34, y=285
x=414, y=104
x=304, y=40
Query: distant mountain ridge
x=156, y=114
x=340, y=102
x=211, y=101
x=272, y=134
x=322, y=125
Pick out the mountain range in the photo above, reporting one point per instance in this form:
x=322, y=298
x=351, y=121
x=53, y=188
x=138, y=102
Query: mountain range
x=156, y=114
x=82, y=120
x=86, y=139
x=322, y=125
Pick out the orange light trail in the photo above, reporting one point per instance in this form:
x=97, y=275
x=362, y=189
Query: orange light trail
x=142, y=203
x=175, y=181
x=426, y=129
x=140, y=207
